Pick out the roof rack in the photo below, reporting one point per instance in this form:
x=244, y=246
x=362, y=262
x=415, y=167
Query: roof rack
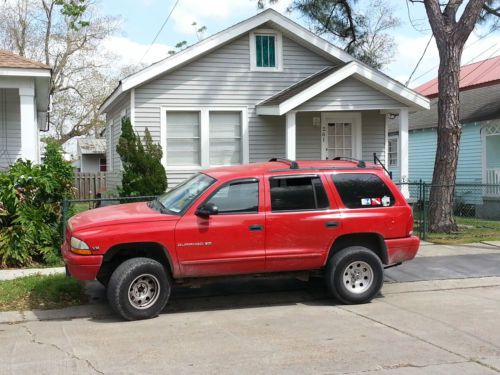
x=361, y=163
x=293, y=163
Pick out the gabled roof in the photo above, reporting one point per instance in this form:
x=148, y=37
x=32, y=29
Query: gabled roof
x=308, y=88
x=11, y=60
x=481, y=73
x=298, y=87
x=92, y=145
x=314, y=42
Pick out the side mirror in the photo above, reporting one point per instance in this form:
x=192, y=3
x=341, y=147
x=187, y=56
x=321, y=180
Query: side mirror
x=207, y=210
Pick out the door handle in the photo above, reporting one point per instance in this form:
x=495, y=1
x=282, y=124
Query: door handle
x=331, y=224
x=255, y=227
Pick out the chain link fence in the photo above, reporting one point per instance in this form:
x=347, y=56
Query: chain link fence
x=474, y=205
x=72, y=207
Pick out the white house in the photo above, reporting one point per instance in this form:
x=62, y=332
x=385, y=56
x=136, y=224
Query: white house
x=24, y=101
x=263, y=88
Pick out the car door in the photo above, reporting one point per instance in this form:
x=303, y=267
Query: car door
x=229, y=242
x=300, y=223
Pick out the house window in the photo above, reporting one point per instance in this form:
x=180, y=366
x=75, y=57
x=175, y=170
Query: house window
x=183, y=138
x=102, y=164
x=225, y=137
x=205, y=137
x=392, y=144
x=266, y=50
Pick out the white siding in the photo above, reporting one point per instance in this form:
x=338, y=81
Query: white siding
x=113, y=131
x=10, y=127
x=373, y=135
x=223, y=78
x=349, y=94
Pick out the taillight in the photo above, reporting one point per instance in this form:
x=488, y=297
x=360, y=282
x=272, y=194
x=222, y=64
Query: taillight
x=409, y=225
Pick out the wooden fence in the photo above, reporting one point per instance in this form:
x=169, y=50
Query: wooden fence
x=88, y=184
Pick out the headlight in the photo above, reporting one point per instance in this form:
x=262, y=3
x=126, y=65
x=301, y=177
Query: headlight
x=79, y=247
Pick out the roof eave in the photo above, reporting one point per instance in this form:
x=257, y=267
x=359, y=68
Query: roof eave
x=366, y=74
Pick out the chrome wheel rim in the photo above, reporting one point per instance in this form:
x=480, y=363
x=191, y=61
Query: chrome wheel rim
x=144, y=291
x=357, y=277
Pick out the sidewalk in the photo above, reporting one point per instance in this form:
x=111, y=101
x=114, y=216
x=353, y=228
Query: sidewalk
x=11, y=274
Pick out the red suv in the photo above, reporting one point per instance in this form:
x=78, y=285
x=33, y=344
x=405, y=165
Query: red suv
x=342, y=217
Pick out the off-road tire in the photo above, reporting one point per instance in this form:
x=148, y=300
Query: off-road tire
x=119, y=287
x=339, y=276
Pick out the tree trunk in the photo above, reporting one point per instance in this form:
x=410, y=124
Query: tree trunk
x=448, y=139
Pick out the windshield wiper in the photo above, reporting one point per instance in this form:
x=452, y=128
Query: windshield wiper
x=157, y=205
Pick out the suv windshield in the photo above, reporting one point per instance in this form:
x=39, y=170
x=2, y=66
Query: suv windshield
x=180, y=198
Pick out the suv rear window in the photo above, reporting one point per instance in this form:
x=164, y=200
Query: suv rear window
x=362, y=190
x=297, y=193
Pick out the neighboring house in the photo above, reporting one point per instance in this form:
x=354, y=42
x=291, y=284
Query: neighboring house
x=263, y=88
x=91, y=155
x=479, y=155
x=24, y=101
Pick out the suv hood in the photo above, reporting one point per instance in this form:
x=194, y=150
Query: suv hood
x=118, y=214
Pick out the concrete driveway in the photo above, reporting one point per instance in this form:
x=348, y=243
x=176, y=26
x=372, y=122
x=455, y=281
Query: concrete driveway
x=431, y=326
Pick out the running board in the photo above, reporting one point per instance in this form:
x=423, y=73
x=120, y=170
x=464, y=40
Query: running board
x=393, y=265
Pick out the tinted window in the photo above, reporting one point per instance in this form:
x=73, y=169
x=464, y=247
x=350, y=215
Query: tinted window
x=297, y=193
x=362, y=190
x=237, y=197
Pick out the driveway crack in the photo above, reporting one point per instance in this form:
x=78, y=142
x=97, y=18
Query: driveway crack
x=71, y=355
x=467, y=359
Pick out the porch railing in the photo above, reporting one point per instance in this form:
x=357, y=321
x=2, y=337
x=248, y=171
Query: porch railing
x=493, y=178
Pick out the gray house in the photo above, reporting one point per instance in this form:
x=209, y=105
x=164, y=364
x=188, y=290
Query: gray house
x=265, y=87
x=91, y=155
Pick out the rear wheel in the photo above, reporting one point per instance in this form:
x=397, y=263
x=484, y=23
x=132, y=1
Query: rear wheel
x=139, y=288
x=354, y=275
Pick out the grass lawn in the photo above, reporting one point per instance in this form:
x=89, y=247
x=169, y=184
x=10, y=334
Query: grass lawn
x=40, y=293
x=470, y=230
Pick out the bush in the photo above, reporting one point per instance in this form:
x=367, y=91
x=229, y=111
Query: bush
x=30, y=209
x=143, y=173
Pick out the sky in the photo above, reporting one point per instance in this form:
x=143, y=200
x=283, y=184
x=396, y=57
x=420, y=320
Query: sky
x=142, y=19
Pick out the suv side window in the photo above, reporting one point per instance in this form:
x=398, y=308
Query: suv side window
x=362, y=190
x=297, y=193
x=237, y=197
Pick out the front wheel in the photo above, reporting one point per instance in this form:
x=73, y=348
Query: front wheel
x=354, y=275
x=139, y=288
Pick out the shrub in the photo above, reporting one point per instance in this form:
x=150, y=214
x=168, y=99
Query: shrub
x=30, y=209
x=143, y=173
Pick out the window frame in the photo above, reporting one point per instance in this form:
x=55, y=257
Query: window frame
x=341, y=201
x=237, y=180
x=281, y=177
x=389, y=139
x=278, y=51
x=204, y=134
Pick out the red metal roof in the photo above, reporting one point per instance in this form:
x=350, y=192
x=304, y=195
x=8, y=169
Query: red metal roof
x=481, y=73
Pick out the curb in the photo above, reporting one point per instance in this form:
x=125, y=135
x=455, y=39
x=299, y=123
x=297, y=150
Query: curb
x=102, y=309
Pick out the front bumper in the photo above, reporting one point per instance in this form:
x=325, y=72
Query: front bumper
x=401, y=249
x=81, y=267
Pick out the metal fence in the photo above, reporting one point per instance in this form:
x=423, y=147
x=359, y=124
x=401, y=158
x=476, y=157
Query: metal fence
x=473, y=204
x=71, y=207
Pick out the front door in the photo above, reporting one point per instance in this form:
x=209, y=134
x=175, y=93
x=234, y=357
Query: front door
x=230, y=242
x=340, y=135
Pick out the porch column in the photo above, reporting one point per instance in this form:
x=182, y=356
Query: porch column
x=29, y=128
x=291, y=135
x=403, y=150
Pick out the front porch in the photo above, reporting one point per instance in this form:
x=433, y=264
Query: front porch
x=24, y=99
x=343, y=111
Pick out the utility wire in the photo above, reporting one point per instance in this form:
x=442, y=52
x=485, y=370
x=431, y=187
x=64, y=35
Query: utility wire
x=419, y=61
x=466, y=47
x=159, y=31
